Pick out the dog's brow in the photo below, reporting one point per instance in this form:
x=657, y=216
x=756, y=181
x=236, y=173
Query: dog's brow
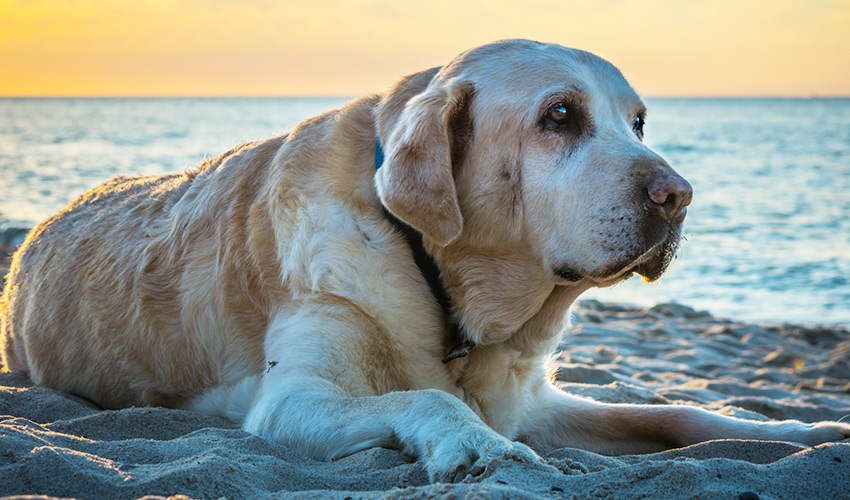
x=572, y=95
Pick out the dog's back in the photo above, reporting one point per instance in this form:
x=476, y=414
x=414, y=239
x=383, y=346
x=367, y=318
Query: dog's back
x=96, y=282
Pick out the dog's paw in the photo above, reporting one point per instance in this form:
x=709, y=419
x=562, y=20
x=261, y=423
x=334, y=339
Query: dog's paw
x=468, y=451
x=807, y=434
x=824, y=432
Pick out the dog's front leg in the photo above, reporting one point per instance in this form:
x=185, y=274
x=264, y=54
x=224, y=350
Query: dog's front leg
x=315, y=399
x=570, y=421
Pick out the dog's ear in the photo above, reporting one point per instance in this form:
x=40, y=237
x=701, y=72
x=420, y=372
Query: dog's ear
x=429, y=136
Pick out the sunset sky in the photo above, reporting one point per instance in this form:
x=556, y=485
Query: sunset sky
x=351, y=47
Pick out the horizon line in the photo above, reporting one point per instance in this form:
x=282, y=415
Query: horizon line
x=295, y=96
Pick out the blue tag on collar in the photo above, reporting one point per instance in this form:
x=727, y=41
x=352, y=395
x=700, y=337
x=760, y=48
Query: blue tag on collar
x=379, y=154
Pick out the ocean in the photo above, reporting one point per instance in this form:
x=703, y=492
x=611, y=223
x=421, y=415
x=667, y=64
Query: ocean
x=767, y=235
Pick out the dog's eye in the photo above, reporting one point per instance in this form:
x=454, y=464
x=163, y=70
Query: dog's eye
x=559, y=114
x=566, y=118
x=637, y=125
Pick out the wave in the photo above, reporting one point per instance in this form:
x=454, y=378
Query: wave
x=13, y=233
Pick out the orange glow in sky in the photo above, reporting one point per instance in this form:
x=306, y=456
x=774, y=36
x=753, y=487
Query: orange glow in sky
x=352, y=47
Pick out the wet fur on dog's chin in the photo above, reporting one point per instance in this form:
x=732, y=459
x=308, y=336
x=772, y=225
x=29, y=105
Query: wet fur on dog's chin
x=653, y=263
x=653, y=268
x=650, y=264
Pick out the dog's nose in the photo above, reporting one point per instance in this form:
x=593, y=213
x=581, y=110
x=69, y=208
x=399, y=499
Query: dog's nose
x=670, y=193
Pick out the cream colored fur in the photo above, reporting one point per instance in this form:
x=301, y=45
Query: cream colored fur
x=268, y=286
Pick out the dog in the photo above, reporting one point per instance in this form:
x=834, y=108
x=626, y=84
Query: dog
x=395, y=273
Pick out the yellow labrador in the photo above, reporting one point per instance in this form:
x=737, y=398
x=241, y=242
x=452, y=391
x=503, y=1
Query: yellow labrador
x=332, y=307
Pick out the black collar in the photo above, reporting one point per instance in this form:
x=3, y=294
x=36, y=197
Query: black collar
x=459, y=345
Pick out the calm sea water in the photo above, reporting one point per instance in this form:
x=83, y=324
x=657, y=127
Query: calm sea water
x=768, y=233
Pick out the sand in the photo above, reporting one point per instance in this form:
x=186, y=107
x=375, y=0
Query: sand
x=56, y=444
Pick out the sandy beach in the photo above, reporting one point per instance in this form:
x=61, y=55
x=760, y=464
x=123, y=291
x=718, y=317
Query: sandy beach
x=56, y=444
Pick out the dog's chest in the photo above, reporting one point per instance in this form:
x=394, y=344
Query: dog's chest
x=499, y=384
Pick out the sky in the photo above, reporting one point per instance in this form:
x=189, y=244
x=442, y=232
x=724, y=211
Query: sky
x=354, y=47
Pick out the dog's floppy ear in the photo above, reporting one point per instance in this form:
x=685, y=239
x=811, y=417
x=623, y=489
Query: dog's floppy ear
x=416, y=182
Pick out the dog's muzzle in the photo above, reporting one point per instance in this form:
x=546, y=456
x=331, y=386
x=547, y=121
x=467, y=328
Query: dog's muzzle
x=663, y=200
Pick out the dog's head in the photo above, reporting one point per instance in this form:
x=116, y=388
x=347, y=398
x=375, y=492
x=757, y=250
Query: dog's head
x=520, y=143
